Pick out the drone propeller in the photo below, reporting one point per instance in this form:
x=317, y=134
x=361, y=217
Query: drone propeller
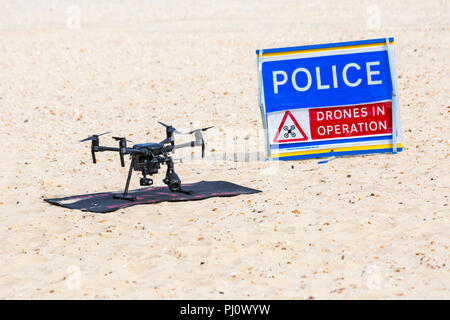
x=121, y=138
x=202, y=129
x=94, y=137
x=169, y=128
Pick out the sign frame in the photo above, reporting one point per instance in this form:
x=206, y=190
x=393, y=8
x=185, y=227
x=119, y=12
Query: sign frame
x=392, y=144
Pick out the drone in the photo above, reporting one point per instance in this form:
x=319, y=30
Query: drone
x=148, y=157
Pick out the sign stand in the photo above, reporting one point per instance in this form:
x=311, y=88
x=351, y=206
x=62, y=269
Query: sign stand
x=261, y=105
x=393, y=68
x=327, y=160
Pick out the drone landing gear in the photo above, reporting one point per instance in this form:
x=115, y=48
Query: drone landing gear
x=125, y=195
x=172, y=180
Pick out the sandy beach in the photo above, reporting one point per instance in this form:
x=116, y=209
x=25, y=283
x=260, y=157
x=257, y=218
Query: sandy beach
x=362, y=227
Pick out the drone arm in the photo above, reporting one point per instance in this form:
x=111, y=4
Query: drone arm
x=198, y=142
x=189, y=144
x=122, y=151
x=182, y=145
x=96, y=147
x=125, y=151
x=168, y=140
x=102, y=148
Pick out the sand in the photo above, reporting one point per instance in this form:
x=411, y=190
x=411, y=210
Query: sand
x=364, y=227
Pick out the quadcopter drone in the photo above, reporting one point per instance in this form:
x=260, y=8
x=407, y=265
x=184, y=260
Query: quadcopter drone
x=148, y=157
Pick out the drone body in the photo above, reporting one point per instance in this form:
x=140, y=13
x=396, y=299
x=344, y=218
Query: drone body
x=148, y=157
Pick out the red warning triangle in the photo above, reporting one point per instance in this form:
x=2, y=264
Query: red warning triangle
x=289, y=134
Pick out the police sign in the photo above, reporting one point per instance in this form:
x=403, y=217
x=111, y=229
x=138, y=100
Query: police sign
x=328, y=100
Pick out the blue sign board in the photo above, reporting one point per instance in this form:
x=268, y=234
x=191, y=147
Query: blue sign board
x=326, y=100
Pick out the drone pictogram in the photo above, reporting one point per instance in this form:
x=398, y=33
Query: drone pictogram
x=289, y=131
x=292, y=132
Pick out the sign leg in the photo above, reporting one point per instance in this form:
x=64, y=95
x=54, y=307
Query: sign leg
x=394, y=97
